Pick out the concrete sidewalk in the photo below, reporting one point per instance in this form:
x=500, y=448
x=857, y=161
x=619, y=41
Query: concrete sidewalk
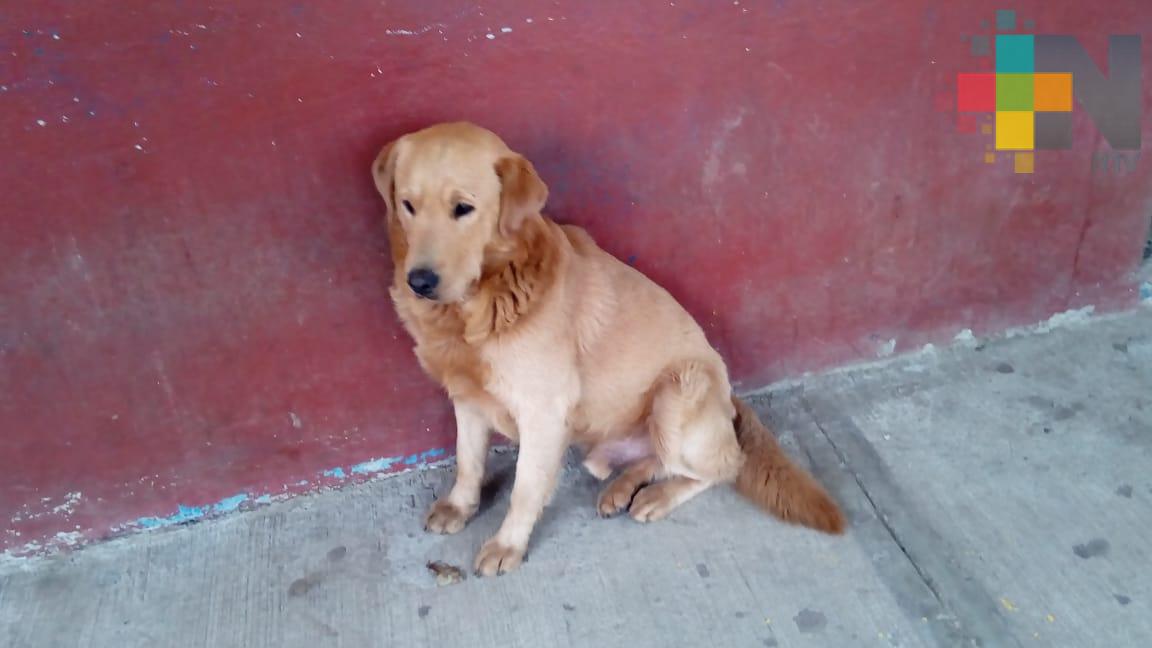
x=999, y=495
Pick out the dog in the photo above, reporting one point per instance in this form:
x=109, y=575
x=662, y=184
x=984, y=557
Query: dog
x=537, y=333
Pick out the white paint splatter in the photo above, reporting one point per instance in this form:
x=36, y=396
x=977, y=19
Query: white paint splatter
x=41, y=122
x=69, y=505
x=886, y=349
x=490, y=36
x=413, y=32
x=69, y=539
x=296, y=422
x=1069, y=318
x=965, y=338
x=711, y=172
x=506, y=30
x=162, y=376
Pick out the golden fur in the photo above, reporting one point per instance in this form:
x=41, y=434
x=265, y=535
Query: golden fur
x=535, y=332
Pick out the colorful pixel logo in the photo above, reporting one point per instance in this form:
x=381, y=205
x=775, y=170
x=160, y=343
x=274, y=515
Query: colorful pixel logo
x=1030, y=93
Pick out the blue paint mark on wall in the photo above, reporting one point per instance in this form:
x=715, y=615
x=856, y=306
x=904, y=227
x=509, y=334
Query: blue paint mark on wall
x=185, y=514
x=229, y=504
x=192, y=513
x=1146, y=290
x=386, y=463
x=374, y=466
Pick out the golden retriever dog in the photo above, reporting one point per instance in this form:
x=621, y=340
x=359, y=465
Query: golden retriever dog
x=537, y=333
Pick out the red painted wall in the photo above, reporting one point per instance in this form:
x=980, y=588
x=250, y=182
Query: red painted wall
x=193, y=274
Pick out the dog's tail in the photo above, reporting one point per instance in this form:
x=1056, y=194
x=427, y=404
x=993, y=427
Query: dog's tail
x=770, y=479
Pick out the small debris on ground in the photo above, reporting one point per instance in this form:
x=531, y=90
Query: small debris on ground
x=445, y=574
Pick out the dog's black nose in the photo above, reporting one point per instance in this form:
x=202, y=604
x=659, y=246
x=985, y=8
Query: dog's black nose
x=423, y=282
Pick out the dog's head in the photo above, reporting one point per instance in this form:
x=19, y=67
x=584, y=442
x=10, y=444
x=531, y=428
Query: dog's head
x=453, y=192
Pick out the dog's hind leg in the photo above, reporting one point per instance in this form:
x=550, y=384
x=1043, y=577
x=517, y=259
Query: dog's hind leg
x=690, y=425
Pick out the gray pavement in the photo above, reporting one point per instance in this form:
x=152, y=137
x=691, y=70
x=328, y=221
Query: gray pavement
x=1000, y=494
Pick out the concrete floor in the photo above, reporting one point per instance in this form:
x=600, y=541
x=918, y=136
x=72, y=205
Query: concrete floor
x=999, y=494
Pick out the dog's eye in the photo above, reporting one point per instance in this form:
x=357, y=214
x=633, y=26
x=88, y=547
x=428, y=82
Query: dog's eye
x=408, y=206
x=462, y=209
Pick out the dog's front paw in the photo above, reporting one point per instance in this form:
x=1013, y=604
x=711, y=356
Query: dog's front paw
x=497, y=558
x=446, y=517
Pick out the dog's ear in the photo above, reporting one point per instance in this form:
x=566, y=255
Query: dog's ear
x=522, y=192
x=383, y=170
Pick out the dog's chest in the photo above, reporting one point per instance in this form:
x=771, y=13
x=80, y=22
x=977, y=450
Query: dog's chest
x=440, y=347
x=526, y=372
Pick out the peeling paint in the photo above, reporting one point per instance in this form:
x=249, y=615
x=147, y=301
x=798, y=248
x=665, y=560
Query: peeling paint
x=1146, y=290
x=337, y=472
